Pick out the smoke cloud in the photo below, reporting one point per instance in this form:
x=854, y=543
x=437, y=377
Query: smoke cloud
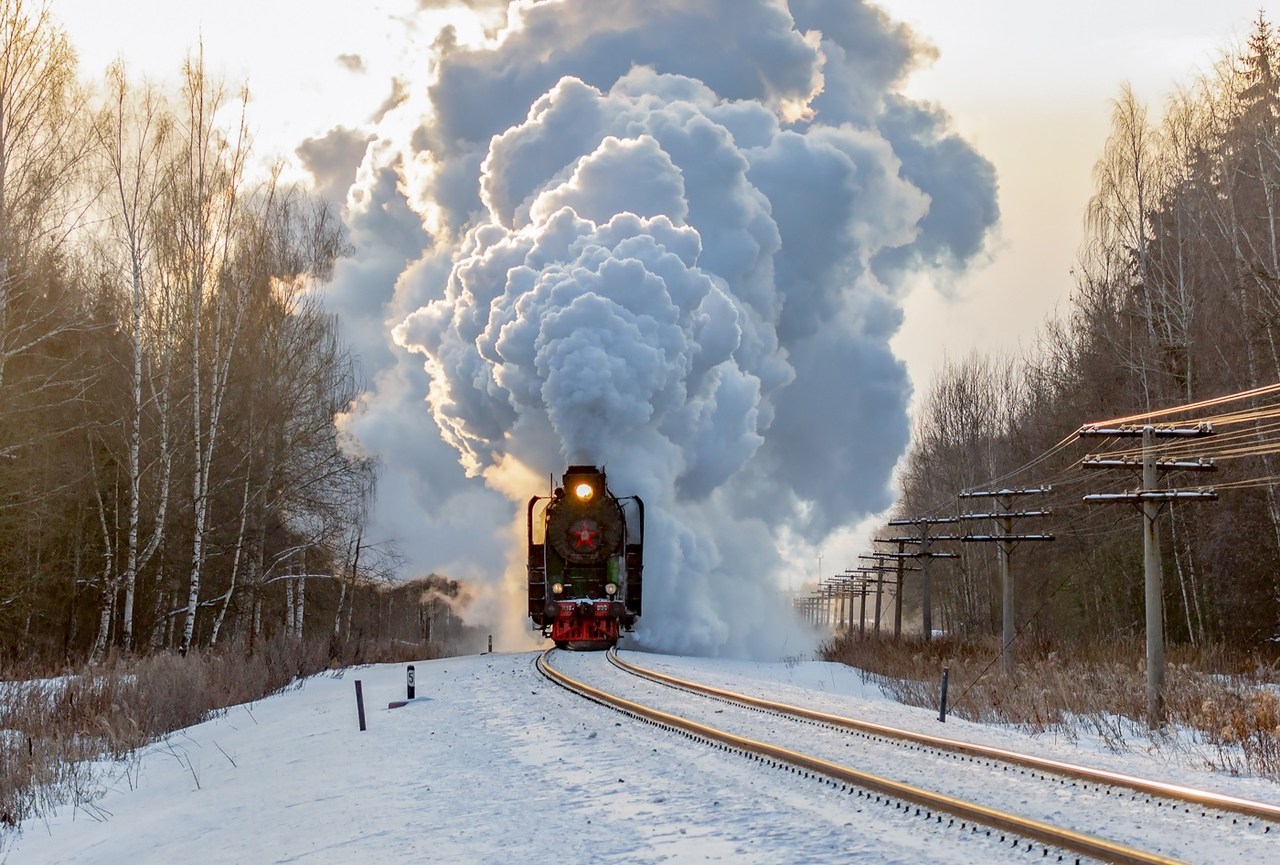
x=671, y=241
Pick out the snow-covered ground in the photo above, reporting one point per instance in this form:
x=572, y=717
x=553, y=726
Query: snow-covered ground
x=494, y=764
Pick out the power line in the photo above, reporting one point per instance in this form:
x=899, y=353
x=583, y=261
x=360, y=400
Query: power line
x=1265, y=390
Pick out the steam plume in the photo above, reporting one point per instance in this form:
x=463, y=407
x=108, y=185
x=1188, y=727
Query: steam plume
x=670, y=241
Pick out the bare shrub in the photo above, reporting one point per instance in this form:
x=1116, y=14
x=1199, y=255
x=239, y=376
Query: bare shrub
x=1219, y=697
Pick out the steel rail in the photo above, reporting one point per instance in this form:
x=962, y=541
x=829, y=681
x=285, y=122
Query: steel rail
x=1044, y=833
x=1161, y=789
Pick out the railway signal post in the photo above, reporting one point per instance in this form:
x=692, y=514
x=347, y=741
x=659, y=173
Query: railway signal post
x=1150, y=498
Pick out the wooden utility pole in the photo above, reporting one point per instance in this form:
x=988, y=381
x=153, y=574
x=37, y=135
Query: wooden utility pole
x=1003, y=516
x=879, y=569
x=834, y=599
x=900, y=557
x=841, y=585
x=862, y=581
x=897, y=595
x=925, y=555
x=852, y=582
x=1149, y=497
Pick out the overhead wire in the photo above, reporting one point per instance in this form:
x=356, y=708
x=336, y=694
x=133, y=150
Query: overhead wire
x=1265, y=390
x=1241, y=443
x=1244, y=442
x=1261, y=438
x=1071, y=438
x=1033, y=462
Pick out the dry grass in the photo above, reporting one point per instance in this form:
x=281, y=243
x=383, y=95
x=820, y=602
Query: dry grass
x=1223, y=705
x=61, y=738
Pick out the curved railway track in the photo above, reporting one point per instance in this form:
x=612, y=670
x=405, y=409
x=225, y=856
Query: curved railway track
x=926, y=803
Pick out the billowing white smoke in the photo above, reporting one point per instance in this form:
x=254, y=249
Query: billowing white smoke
x=678, y=229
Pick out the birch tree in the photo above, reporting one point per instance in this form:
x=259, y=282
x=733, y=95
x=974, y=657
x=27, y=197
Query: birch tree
x=133, y=137
x=1117, y=257
x=204, y=264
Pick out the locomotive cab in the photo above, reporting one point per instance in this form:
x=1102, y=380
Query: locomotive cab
x=585, y=561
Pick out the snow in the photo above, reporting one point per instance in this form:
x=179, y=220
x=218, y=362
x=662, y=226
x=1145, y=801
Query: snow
x=492, y=763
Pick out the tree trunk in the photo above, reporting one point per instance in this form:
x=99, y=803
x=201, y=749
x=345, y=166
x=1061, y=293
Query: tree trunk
x=235, y=563
x=351, y=601
x=301, y=608
x=109, y=583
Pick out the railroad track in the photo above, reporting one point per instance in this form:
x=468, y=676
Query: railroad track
x=1205, y=799
x=927, y=803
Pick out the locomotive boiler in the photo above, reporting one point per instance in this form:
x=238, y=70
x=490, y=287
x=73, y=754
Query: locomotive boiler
x=586, y=561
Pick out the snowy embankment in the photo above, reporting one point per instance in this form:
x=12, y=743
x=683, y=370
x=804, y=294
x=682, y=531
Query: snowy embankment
x=492, y=763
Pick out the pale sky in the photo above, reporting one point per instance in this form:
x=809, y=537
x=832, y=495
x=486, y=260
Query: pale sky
x=1031, y=85
x=288, y=50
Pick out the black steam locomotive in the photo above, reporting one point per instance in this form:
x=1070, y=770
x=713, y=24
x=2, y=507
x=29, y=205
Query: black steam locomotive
x=586, y=561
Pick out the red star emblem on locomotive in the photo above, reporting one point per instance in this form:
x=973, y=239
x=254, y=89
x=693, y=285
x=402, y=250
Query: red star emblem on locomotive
x=584, y=535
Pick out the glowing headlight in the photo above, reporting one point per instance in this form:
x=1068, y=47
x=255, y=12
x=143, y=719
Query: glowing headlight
x=610, y=589
x=557, y=588
x=583, y=491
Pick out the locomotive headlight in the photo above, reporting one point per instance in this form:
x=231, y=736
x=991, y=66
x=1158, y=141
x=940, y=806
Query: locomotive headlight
x=584, y=491
x=610, y=589
x=557, y=588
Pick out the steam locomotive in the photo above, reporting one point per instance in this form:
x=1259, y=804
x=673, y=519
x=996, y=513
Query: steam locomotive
x=586, y=561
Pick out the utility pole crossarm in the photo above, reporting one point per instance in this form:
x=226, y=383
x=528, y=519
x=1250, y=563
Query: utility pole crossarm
x=928, y=556
x=1203, y=464
x=1014, y=515
x=1138, y=496
x=899, y=558
x=1157, y=430
x=1009, y=538
x=930, y=539
x=988, y=494
x=932, y=521
x=905, y=555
